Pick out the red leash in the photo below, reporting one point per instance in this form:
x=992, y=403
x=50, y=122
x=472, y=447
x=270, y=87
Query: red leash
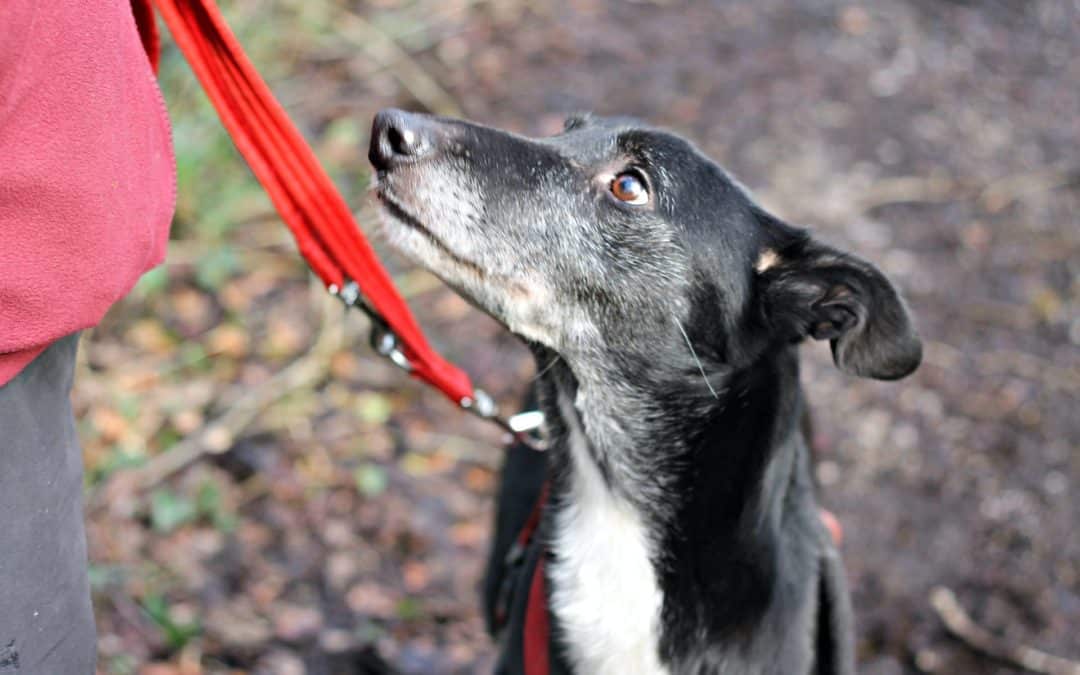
x=309, y=203
x=328, y=237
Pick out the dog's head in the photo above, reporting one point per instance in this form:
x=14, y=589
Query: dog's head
x=613, y=238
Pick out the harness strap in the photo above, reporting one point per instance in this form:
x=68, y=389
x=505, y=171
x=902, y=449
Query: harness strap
x=529, y=528
x=536, y=650
x=309, y=203
x=537, y=630
x=535, y=656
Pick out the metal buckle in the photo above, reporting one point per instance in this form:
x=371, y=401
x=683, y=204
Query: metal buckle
x=522, y=427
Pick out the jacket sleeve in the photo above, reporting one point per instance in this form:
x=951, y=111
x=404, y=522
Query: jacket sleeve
x=87, y=183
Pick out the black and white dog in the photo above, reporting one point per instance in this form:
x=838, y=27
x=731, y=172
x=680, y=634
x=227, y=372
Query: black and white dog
x=664, y=307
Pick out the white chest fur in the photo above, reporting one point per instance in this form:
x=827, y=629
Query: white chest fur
x=604, y=590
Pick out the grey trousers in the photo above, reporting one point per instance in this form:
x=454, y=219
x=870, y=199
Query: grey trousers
x=46, y=622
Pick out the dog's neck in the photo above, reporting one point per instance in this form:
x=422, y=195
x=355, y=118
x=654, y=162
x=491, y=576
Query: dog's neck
x=646, y=426
x=704, y=473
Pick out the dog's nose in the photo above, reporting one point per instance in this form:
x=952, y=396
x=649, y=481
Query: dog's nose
x=397, y=137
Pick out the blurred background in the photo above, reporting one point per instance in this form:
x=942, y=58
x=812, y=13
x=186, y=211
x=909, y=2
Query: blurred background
x=267, y=497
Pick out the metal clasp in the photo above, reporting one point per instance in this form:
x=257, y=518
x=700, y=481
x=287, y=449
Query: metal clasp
x=383, y=340
x=523, y=427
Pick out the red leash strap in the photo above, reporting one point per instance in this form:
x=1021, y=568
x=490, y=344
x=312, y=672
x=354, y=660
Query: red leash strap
x=326, y=233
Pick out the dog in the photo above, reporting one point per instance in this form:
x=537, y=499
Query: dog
x=664, y=306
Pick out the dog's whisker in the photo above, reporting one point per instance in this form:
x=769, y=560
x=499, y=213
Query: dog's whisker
x=546, y=368
x=696, y=359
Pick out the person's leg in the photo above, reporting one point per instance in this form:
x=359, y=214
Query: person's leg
x=46, y=622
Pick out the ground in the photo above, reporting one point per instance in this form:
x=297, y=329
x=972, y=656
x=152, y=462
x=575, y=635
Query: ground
x=348, y=511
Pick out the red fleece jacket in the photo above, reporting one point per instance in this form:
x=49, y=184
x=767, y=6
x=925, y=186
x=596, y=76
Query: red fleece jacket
x=87, y=184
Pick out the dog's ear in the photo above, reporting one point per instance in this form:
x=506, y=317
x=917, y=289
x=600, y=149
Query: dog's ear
x=809, y=289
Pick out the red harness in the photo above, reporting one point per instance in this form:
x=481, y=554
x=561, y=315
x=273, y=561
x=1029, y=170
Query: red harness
x=536, y=633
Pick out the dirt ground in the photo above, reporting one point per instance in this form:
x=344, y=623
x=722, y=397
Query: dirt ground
x=350, y=509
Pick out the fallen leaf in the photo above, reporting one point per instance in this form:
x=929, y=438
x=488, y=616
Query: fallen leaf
x=293, y=623
x=371, y=599
x=416, y=576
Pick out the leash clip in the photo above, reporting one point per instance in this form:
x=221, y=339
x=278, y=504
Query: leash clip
x=523, y=427
x=383, y=340
x=385, y=343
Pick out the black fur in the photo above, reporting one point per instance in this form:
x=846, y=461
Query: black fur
x=666, y=333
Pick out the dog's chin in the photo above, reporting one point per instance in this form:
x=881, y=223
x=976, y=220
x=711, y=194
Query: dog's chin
x=418, y=244
x=409, y=236
x=414, y=244
x=412, y=237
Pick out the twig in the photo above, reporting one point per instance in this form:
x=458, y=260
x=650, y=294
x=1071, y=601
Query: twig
x=903, y=189
x=306, y=371
x=1051, y=374
x=129, y=612
x=992, y=197
x=961, y=625
x=218, y=436
x=385, y=51
x=486, y=453
x=1001, y=193
x=413, y=28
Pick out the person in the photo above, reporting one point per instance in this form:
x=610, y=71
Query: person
x=87, y=190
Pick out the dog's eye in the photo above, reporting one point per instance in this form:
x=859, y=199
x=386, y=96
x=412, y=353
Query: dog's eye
x=630, y=188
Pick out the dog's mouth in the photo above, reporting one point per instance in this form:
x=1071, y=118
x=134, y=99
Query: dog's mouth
x=483, y=287
x=401, y=214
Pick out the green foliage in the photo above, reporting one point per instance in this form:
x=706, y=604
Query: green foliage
x=153, y=282
x=117, y=459
x=167, y=437
x=371, y=480
x=374, y=409
x=193, y=356
x=169, y=510
x=409, y=609
x=175, y=632
x=214, y=268
x=210, y=505
x=128, y=405
x=102, y=576
x=121, y=664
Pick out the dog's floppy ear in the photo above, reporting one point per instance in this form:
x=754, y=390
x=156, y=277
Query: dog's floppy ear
x=812, y=290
